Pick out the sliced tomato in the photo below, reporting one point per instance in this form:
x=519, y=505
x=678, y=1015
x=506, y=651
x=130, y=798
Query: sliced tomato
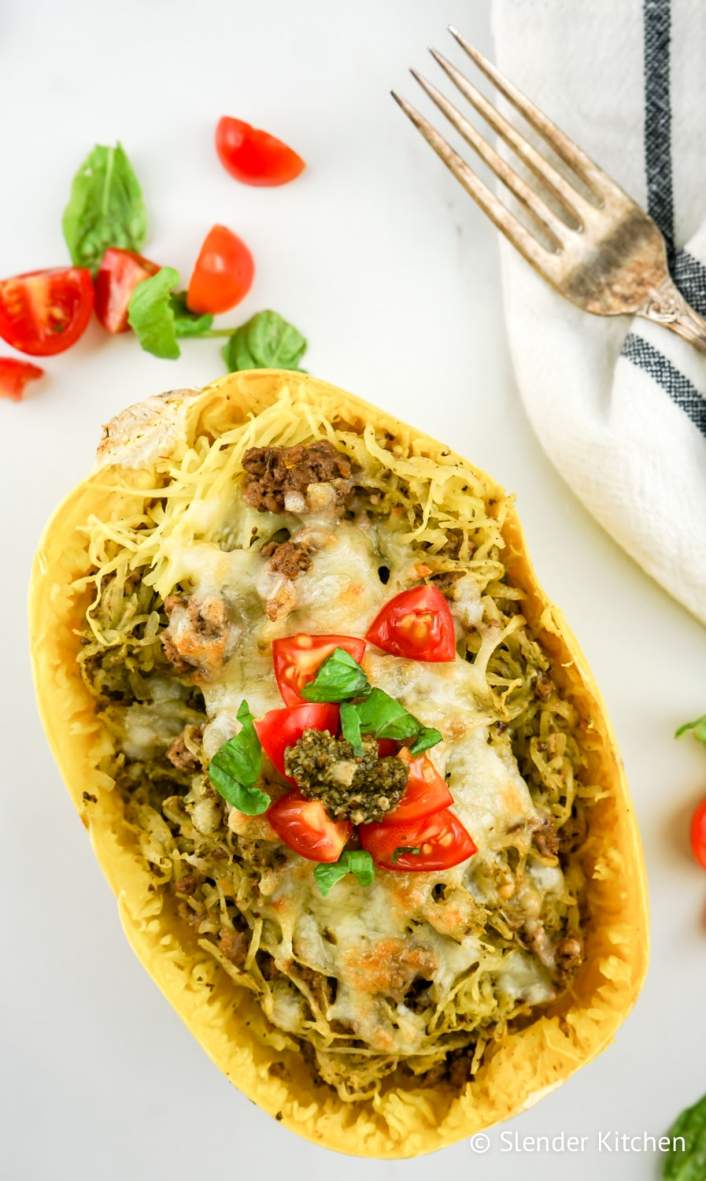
x=118, y=275
x=281, y=728
x=698, y=833
x=45, y=312
x=426, y=791
x=432, y=842
x=306, y=827
x=298, y=658
x=387, y=747
x=418, y=624
x=14, y=376
x=223, y=273
x=255, y=157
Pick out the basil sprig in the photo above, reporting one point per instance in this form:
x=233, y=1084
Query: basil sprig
x=235, y=768
x=340, y=678
x=685, y=1160
x=355, y=861
x=265, y=341
x=697, y=727
x=105, y=208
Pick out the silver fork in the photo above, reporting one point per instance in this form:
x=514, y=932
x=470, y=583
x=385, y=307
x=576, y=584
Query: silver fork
x=593, y=243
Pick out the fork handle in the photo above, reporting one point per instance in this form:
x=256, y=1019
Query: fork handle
x=666, y=305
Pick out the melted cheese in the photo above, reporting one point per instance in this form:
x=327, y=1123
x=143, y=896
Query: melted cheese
x=356, y=930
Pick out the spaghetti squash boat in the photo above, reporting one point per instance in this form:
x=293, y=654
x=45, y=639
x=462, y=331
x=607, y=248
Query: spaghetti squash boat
x=342, y=762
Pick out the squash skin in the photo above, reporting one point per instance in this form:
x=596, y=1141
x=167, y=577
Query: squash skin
x=403, y=1123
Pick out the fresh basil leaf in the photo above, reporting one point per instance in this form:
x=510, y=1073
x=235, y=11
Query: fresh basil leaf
x=236, y=766
x=350, y=727
x=384, y=717
x=339, y=678
x=355, y=861
x=265, y=341
x=426, y=738
x=698, y=727
x=151, y=314
x=105, y=208
x=687, y=1163
x=188, y=323
x=402, y=849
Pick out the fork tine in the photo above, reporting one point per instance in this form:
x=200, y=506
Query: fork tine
x=551, y=224
x=568, y=197
x=505, y=221
x=564, y=147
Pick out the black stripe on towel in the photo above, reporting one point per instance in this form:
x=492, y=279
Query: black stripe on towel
x=690, y=277
x=657, y=18
x=659, y=367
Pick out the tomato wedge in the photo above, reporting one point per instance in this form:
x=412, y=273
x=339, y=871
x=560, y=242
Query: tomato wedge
x=297, y=659
x=281, y=728
x=418, y=624
x=698, y=833
x=307, y=828
x=45, y=312
x=223, y=273
x=255, y=157
x=118, y=275
x=426, y=791
x=14, y=376
x=432, y=842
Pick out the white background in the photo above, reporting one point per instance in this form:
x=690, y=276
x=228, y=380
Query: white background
x=394, y=277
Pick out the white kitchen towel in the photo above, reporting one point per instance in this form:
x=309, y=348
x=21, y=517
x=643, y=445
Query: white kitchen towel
x=618, y=403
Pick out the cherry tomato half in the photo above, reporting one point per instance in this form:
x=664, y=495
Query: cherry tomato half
x=118, y=275
x=255, y=157
x=426, y=791
x=418, y=624
x=297, y=659
x=14, y=376
x=45, y=312
x=307, y=828
x=281, y=728
x=432, y=842
x=223, y=273
x=698, y=833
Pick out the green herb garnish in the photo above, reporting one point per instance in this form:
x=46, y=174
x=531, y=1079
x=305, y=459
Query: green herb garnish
x=151, y=314
x=350, y=727
x=105, y=208
x=235, y=768
x=402, y=849
x=188, y=323
x=265, y=341
x=384, y=717
x=355, y=861
x=687, y=1163
x=339, y=678
x=698, y=728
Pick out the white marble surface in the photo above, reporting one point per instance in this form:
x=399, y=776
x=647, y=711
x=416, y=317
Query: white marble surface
x=394, y=277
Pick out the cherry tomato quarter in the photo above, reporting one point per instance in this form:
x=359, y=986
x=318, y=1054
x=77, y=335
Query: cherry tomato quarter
x=223, y=273
x=432, y=842
x=281, y=728
x=307, y=828
x=255, y=157
x=698, y=833
x=298, y=658
x=417, y=624
x=14, y=375
x=426, y=791
x=119, y=273
x=45, y=312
